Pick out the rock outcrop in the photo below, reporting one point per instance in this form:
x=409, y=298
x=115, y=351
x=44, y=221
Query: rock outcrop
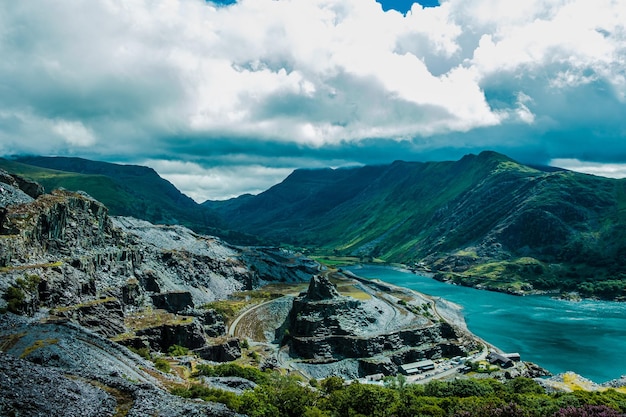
x=380, y=333
x=62, y=251
x=59, y=370
x=174, y=301
x=227, y=351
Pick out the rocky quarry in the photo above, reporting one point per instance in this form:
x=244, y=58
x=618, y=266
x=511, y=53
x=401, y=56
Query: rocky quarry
x=69, y=272
x=376, y=334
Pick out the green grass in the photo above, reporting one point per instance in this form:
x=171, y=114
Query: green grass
x=334, y=261
x=83, y=305
x=125, y=190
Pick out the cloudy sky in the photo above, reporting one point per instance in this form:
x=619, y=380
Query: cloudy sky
x=223, y=99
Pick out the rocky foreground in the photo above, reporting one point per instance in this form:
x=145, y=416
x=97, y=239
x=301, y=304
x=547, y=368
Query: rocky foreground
x=77, y=285
x=62, y=369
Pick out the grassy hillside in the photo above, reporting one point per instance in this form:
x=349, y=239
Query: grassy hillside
x=484, y=220
x=126, y=190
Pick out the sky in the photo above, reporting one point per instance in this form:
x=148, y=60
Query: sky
x=228, y=98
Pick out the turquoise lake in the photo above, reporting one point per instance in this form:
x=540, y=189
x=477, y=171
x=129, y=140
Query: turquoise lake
x=587, y=337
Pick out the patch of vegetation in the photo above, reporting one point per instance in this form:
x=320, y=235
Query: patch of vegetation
x=177, y=350
x=88, y=303
x=351, y=290
x=144, y=352
x=33, y=266
x=335, y=261
x=237, y=301
x=17, y=294
x=38, y=345
x=153, y=318
x=228, y=309
x=288, y=396
x=231, y=369
x=162, y=364
x=230, y=399
x=10, y=340
x=279, y=396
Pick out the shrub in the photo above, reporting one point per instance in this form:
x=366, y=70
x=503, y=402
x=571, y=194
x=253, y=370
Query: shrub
x=177, y=350
x=162, y=365
x=144, y=352
x=230, y=369
x=15, y=295
x=208, y=394
x=588, y=411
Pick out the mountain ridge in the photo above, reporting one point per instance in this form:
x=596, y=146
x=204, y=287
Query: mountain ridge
x=484, y=220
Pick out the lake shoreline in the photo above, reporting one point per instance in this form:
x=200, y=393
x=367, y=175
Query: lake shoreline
x=560, y=335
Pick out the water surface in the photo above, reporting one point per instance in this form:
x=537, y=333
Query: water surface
x=587, y=337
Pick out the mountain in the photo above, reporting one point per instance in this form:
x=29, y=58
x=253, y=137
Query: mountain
x=485, y=220
x=126, y=190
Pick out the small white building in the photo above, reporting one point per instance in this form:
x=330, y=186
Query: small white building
x=374, y=377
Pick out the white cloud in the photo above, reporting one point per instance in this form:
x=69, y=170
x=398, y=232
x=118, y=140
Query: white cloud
x=74, y=133
x=594, y=168
x=176, y=79
x=218, y=182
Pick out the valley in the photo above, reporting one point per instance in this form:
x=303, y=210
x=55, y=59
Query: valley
x=153, y=314
x=484, y=221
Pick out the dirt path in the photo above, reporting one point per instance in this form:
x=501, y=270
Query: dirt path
x=232, y=329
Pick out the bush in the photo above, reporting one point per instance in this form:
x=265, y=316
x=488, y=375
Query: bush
x=144, y=352
x=588, y=411
x=15, y=295
x=15, y=298
x=177, y=350
x=230, y=369
x=208, y=394
x=162, y=365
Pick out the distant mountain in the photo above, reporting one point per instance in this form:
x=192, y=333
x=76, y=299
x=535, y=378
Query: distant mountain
x=485, y=220
x=127, y=190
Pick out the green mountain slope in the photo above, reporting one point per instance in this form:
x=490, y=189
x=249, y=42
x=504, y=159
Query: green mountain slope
x=484, y=220
x=127, y=190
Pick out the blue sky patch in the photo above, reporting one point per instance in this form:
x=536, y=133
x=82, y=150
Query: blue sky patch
x=404, y=6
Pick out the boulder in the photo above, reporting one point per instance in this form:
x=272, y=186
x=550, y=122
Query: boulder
x=213, y=322
x=173, y=301
x=187, y=334
x=104, y=316
x=32, y=188
x=227, y=351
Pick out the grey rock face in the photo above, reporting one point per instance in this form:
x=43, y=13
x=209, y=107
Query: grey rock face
x=162, y=337
x=174, y=302
x=64, y=367
x=33, y=390
x=221, y=352
x=320, y=288
x=105, y=316
x=80, y=255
